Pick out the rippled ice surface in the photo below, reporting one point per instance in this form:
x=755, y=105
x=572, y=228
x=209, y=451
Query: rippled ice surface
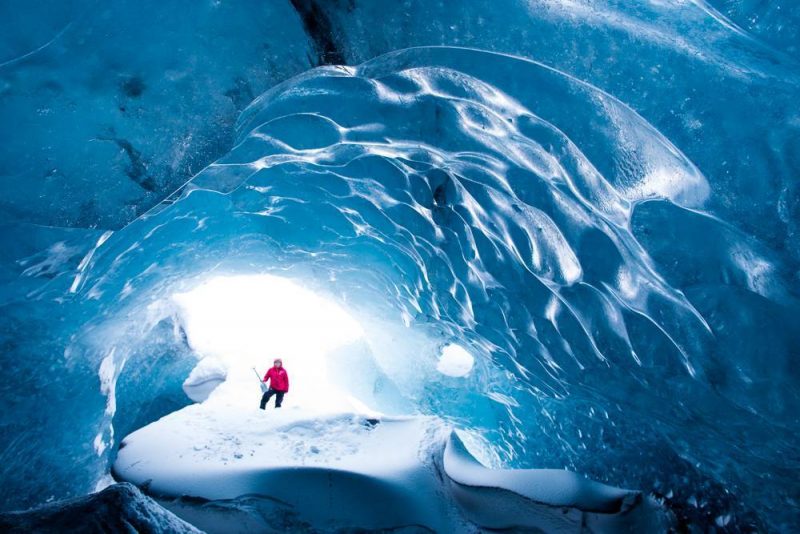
x=463, y=192
x=632, y=305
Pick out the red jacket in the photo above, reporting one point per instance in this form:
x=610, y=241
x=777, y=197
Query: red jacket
x=279, y=379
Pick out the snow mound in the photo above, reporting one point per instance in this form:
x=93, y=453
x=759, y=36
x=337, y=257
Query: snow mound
x=219, y=464
x=204, y=378
x=118, y=508
x=552, y=500
x=554, y=487
x=331, y=470
x=455, y=361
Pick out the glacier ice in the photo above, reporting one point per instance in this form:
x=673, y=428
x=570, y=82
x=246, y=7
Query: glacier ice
x=600, y=206
x=112, y=123
x=118, y=508
x=703, y=81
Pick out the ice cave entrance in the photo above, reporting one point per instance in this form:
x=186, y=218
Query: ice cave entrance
x=240, y=323
x=325, y=454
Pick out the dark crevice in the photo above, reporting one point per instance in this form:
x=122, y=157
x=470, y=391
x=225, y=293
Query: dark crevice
x=442, y=187
x=318, y=26
x=137, y=170
x=132, y=87
x=241, y=94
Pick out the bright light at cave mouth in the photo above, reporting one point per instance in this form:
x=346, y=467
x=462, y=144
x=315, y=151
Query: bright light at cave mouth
x=246, y=322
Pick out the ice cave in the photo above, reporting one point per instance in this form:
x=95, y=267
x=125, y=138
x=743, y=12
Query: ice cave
x=423, y=266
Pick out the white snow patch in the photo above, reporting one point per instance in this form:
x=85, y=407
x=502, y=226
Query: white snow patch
x=85, y=261
x=105, y=481
x=545, y=500
x=455, y=361
x=204, y=378
x=99, y=444
x=108, y=381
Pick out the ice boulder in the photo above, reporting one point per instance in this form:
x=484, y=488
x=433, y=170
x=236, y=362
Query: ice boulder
x=204, y=378
x=118, y=508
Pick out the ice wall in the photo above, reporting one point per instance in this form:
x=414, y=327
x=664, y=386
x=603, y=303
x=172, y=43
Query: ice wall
x=693, y=73
x=122, y=102
x=460, y=193
x=609, y=225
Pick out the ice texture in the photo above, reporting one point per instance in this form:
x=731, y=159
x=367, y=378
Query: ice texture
x=718, y=78
x=114, y=122
x=601, y=205
x=118, y=508
x=464, y=189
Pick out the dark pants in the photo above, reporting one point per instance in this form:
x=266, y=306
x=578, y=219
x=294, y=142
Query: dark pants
x=268, y=394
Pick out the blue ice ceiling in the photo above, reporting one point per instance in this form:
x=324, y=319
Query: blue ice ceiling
x=599, y=198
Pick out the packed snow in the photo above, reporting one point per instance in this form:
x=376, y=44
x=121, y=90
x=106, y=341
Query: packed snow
x=334, y=469
x=455, y=361
x=204, y=378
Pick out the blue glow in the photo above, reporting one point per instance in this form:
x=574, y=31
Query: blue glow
x=583, y=214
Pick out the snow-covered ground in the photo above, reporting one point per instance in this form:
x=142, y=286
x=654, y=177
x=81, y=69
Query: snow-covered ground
x=244, y=469
x=333, y=470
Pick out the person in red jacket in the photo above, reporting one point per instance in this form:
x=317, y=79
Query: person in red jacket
x=279, y=384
